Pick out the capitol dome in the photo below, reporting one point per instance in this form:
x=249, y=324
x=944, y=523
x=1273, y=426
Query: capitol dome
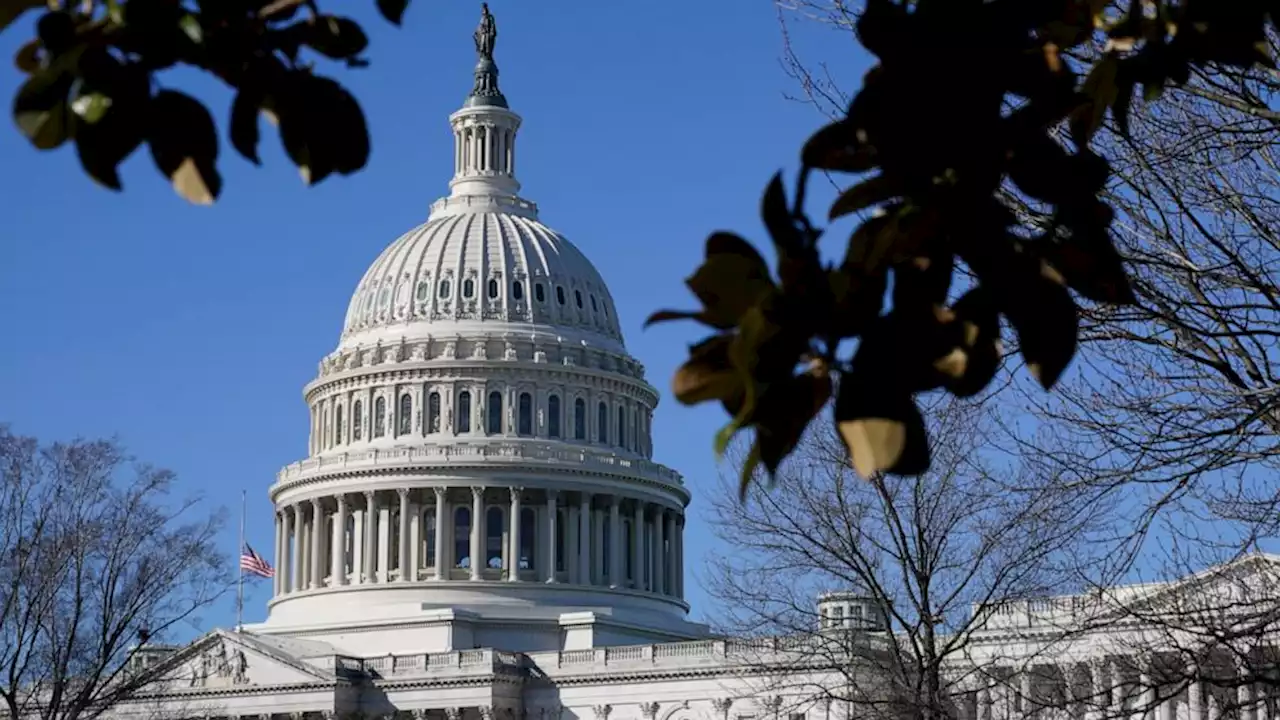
x=479, y=467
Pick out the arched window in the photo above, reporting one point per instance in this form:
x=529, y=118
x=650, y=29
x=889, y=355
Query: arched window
x=404, y=421
x=495, y=413
x=421, y=294
x=462, y=537
x=553, y=416
x=433, y=412
x=525, y=422
x=428, y=524
x=593, y=304
x=357, y=419
x=493, y=288
x=561, y=520
x=444, y=288
x=468, y=288
x=338, y=422
x=635, y=429
x=493, y=538
x=538, y=294
x=579, y=419
x=560, y=294
x=577, y=298
x=464, y=411
x=379, y=417
x=622, y=427
x=602, y=423
x=528, y=535
x=517, y=290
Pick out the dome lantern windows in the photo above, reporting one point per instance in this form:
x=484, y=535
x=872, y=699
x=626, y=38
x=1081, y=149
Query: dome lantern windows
x=464, y=412
x=494, y=412
x=579, y=419
x=525, y=426
x=553, y=416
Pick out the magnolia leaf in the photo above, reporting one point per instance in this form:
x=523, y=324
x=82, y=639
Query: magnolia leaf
x=27, y=59
x=708, y=374
x=862, y=196
x=245, y=109
x=748, y=472
x=40, y=107
x=336, y=37
x=732, y=280
x=184, y=146
x=881, y=428
x=1099, y=91
x=91, y=107
x=393, y=10
x=838, y=147
x=1044, y=316
x=10, y=10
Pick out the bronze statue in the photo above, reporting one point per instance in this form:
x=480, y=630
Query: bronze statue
x=486, y=34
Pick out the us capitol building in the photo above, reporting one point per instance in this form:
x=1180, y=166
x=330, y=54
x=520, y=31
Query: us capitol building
x=479, y=531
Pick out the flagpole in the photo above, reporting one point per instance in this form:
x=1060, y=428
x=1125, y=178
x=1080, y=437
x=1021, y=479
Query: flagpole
x=240, y=568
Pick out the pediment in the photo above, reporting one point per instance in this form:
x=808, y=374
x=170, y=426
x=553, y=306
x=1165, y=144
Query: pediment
x=1244, y=583
x=226, y=661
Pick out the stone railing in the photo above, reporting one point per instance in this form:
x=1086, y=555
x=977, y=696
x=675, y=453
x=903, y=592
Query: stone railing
x=585, y=458
x=699, y=653
x=457, y=663
x=1039, y=612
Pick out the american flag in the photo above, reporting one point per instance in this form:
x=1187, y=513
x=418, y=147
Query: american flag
x=253, y=563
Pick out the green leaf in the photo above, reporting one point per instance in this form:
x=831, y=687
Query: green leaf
x=1099, y=91
x=103, y=145
x=90, y=107
x=838, y=147
x=322, y=127
x=27, y=59
x=11, y=10
x=57, y=31
x=732, y=279
x=707, y=374
x=393, y=10
x=40, y=107
x=184, y=146
x=190, y=25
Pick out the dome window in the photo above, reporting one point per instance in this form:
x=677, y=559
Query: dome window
x=495, y=413
x=577, y=298
x=444, y=289
x=384, y=298
x=423, y=287
x=593, y=304
x=560, y=294
x=579, y=419
x=517, y=290
x=433, y=413
x=357, y=420
x=468, y=288
x=538, y=293
x=526, y=414
x=553, y=416
x=379, y=417
x=493, y=289
x=464, y=412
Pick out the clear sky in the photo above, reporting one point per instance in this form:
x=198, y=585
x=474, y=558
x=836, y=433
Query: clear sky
x=190, y=331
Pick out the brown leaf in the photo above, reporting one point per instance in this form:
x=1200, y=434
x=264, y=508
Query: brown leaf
x=27, y=59
x=184, y=145
x=972, y=364
x=732, y=279
x=707, y=374
x=1099, y=91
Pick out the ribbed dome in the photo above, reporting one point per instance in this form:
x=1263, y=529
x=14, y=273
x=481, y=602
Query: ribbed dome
x=476, y=271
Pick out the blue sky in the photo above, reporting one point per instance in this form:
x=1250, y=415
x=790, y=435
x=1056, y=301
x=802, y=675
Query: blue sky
x=190, y=332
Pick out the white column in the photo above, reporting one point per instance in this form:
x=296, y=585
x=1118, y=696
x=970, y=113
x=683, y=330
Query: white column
x=339, y=569
x=477, y=520
x=584, y=539
x=383, y=538
x=659, y=552
x=571, y=542
x=1093, y=693
x=1244, y=697
x=317, y=535
x=513, y=573
x=597, y=546
x=552, y=522
x=368, y=550
x=1146, y=693
x=617, y=573
x=277, y=556
x=415, y=540
x=403, y=545
x=637, y=546
x=1261, y=709
x=442, y=555
x=295, y=559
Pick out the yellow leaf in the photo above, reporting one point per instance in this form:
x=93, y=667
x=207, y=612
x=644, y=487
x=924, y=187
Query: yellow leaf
x=190, y=183
x=875, y=444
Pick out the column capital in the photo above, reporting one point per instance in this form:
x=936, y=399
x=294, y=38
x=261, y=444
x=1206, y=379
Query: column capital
x=315, y=503
x=552, y=495
x=342, y=500
x=477, y=490
x=440, y=491
x=515, y=492
x=368, y=496
x=615, y=501
x=403, y=492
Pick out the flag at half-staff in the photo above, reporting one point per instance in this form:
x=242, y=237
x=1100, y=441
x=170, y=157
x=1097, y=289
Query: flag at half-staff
x=253, y=563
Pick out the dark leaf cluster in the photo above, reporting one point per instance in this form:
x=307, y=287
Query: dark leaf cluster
x=91, y=81
x=967, y=101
